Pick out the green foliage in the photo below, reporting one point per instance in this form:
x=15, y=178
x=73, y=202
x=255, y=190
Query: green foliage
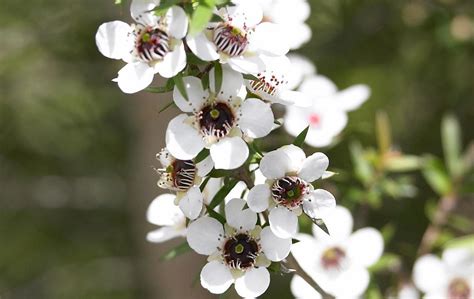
x=222, y=193
x=201, y=16
x=299, y=140
x=176, y=251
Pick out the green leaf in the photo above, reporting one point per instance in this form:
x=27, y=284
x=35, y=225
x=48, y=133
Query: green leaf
x=301, y=137
x=250, y=77
x=384, y=134
x=451, y=139
x=436, y=176
x=204, y=183
x=402, y=163
x=318, y=221
x=118, y=2
x=217, y=76
x=388, y=261
x=222, y=193
x=462, y=242
x=203, y=154
x=362, y=168
x=179, y=83
x=162, y=89
x=166, y=107
x=201, y=16
x=176, y=251
x=216, y=215
x=161, y=9
x=220, y=173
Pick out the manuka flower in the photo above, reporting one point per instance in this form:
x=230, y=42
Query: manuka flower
x=163, y=212
x=288, y=190
x=240, y=39
x=452, y=276
x=327, y=115
x=219, y=121
x=272, y=85
x=239, y=252
x=152, y=45
x=337, y=262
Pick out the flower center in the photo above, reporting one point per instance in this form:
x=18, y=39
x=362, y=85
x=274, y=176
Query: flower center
x=314, y=119
x=289, y=191
x=459, y=289
x=216, y=119
x=240, y=251
x=332, y=258
x=152, y=44
x=178, y=176
x=230, y=40
x=266, y=84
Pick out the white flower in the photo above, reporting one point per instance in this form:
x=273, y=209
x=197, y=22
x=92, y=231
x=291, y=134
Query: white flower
x=339, y=262
x=291, y=16
x=152, y=45
x=163, y=212
x=288, y=189
x=327, y=116
x=238, y=254
x=240, y=39
x=300, y=69
x=272, y=85
x=408, y=291
x=219, y=121
x=184, y=177
x=452, y=276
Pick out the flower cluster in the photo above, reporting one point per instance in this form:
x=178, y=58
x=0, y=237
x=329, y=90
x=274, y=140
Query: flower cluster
x=231, y=201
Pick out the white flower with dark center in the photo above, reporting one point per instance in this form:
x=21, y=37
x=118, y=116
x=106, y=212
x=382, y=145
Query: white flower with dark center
x=163, y=212
x=152, y=45
x=220, y=121
x=327, y=116
x=240, y=39
x=239, y=252
x=337, y=262
x=291, y=16
x=272, y=85
x=184, y=177
x=288, y=190
x=452, y=276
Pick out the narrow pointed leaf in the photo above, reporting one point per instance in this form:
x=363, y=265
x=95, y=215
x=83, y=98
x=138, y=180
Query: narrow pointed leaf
x=218, y=76
x=178, y=81
x=451, y=139
x=222, y=193
x=299, y=140
x=216, y=215
x=176, y=251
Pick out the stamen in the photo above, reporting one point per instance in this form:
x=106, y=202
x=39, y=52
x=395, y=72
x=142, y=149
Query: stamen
x=241, y=251
x=333, y=258
x=230, y=40
x=216, y=120
x=178, y=176
x=289, y=191
x=152, y=44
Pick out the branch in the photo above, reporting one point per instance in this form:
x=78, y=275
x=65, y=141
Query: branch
x=293, y=264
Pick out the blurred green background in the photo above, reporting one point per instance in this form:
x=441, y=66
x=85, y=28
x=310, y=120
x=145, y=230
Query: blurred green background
x=75, y=153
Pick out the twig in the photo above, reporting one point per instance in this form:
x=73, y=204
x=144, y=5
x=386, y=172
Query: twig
x=293, y=264
x=445, y=206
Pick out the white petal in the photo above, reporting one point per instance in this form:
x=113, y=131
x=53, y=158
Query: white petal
x=295, y=41
x=302, y=290
x=351, y=98
x=178, y=22
x=253, y=283
x=229, y=153
x=134, y=77
x=429, y=273
x=319, y=204
x=257, y=118
x=182, y=140
x=247, y=64
x=205, y=166
x=275, y=248
x=355, y=281
x=191, y=203
x=313, y=167
x=459, y=260
x=307, y=252
x=140, y=11
x=202, y=47
x=301, y=67
x=296, y=155
x=232, y=84
x=111, y=39
x=239, y=218
x=258, y=198
x=172, y=63
x=216, y=277
x=339, y=223
x=296, y=120
x=196, y=95
x=163, y=234
x=283, y=222
x=318, y=86
x=266, y=36
x=365, y=246
x=297, y=98
x=245, y=14
x=204, y=235
x=275, y=164
x=162, y=211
